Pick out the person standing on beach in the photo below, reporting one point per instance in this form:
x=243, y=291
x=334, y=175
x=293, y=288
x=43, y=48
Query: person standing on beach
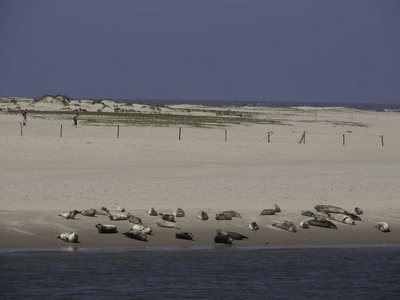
x=24, y=115
x=75, y=121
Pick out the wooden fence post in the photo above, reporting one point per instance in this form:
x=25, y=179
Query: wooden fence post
x=226, y=134
x=21, y=128
x=180, y=129
x=61, y=131
x=118, y=132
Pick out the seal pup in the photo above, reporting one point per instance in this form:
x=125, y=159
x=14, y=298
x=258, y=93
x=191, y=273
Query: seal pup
x=286, y=225
x=184, y=235
x=357, y=211
x=69, y=214
x=117, y=217
x=167, y=224
x=167, y=217
x=106, y=228
x=308, y=213
x=223, y=217
x=232, y=213
x=268, y=211
x=178, y=213
x=276, y=208
x=231, y=234
x=133, y=219
x=202, y=215
x=223, y=239
x=121, y=209
x=71, y=237
x=304, y=225
x=383, y=226
x=342, y=218
x=136, y=234
x=88, y=213
x=152, y=212
x=142, y=228
x=322, y=222
x=253, y=226
x=330, y=209
x=102, y=211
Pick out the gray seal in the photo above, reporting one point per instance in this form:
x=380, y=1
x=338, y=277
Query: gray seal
x=330, y=209
x=286, y=225
x=321, y=222
x=136, y=234
x=253, y=226
x=142, y=228
x=106, y=228
x=184, y=235
x=121, y=209
x=383, y=226
x=232, y=213
x=308, y=213
x=102, y=211
x=202, y=215
x=223, y=239
x=152, y=212
x=342, y=218
x=357, y=211
x=88, y=213
x=167, y=217
x=304, y=224
x=178, y=213
x=231, y=234
x=133, y=219
x=69, y=214
x=223, y=217
x=71, y=237
x=117, y=217
x=276, y=208
x=167, y=224
x=268, y=211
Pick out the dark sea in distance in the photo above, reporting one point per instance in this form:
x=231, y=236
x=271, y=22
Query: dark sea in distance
x=269, y=272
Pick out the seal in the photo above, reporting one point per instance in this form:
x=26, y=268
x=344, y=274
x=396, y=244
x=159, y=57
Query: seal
x=121, y=209
x=152, y=212
x=142, y=228
x=304, y=225
x=232, y=213
x=167, y=224
x=308, y=213
x=167, y=217
x=71, y=237
x=223, y=217
x=117, y=217
x=178, y=213
x=202, y=215
x=102, y=211
x=276, y=208
x=286, y=225
x=88, y=213
x=253, y=226
x=133, y=219
x=383, y=226
x=321, y=222
x=342, y=218
x=136, y=234
x=69, y=214
x=357, y=211
x=223, y=239
x=106, y=228
x=330, y=209
x=231, y=234
x=184, y=235
x=268, y=211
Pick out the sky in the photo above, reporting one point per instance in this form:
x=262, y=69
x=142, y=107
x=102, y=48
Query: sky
x=245, y=50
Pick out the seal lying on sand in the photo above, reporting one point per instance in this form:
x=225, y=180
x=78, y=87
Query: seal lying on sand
x=102, y=211
x=268, y=211
x=223, y=217
x=276, y=208
x=330, y=209
x=342, y=218
x=152, y=212
x=184, y=235
x=308, y=213
x=167, y=217
x=383, y=226
x=88, y=213
x=142, y=228
x=253, y=226
x=286, y=225
x=202, y=215
x=117, y=217
x=304, y=225
x=136, y=234
x=121, y=209
x=223, y=239
x=133, y=219
x=69, y=214
x=233, y=235
x=106, y=228
x=167, y=224
x=178, y=213
x=357, y=211
x=232, y=213
x=322, y=222
x=71, y=237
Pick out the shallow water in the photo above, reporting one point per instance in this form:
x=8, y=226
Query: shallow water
x=273, y=273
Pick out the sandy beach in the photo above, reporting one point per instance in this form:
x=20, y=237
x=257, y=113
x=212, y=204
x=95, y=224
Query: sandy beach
x=209, y=168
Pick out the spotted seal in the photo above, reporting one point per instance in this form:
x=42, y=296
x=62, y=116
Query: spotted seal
x=286, y=225
x=136, y=234
x=88, y=213
x=253, y=226
x=167, y=217
x=69, y=214
x=121, y=209
x=268, y=211
x=142, y=228
x=276, y=208
x=232, y=213
x=308, y=213
x=342, y=218
x=167, y=224
x=117, y=217
x=184, y=235
x=152, y=212
x=304, y=224
x=321, y=222
x=383, y=226
x=202, y=215
x=71, y=237
x=231, y=234
x=106, y=228
x=223, y=239
x=330, y=209
x=102, y=211
x=133, y=219
x=223, y=217
x=178, y=213
x=357, y=211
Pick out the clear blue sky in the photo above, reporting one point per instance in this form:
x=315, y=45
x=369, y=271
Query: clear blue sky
x=282, y=50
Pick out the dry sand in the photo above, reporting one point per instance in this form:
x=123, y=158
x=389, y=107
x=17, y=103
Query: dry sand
x=43, y=174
